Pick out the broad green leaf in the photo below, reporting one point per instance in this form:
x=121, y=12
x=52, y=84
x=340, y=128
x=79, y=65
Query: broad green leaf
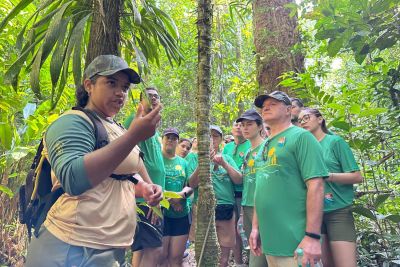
x=361, y=54
x=57, y=58
x=76, y=36
x=53, y=31
x=170, y=194
x=359, y=58
x=355, y=108
x=386, y=40
x=165, y=203
x=6, y=190
x=6, y=135
x=341, y=125
x=326, y=34
x=336, y=106
x=35, y=73
x=372, y=112
x=380, y=199
x=334, y=46
x=364, y=212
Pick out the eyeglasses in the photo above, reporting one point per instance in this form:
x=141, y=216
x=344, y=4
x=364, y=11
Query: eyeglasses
x=305, y=119
x=156, y=96
x=171, y=137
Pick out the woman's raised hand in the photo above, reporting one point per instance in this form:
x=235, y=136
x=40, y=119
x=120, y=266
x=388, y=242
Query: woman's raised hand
x=144, y=125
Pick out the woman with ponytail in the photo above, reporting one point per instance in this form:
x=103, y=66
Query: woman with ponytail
x=339, y=234
x=94, y=220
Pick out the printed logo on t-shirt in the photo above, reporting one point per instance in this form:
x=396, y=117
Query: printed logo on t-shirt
x=328, y=199
x=272, y=157
x=251, y=166
x=281, y=141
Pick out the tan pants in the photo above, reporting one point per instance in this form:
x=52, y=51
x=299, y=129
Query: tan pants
x=275, y=261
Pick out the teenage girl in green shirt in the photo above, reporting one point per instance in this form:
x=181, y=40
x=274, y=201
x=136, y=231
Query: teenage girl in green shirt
x=339, y=235
x=252, y=126
x=176, y=218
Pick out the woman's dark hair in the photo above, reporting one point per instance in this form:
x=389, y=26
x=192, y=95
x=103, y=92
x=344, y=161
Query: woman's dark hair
x=82, y=95
x=317, y=113
x=185, y=139
x=259, y=122
x=298, y=102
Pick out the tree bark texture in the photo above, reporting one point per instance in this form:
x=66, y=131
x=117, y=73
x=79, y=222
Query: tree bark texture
x=206, y=245
x=275, y=34
x=105, y=33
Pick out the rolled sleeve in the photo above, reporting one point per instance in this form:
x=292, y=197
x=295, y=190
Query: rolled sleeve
x=68, y=140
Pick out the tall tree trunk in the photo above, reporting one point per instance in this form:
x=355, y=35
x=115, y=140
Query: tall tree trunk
x=206, y=246
x=275, y=34
x=105, y=32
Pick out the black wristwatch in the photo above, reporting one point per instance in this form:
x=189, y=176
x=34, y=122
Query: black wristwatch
x=312, y=235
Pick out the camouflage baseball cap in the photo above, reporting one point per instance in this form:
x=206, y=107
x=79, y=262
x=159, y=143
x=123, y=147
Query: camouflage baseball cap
x=106, y=65
x=278, y=95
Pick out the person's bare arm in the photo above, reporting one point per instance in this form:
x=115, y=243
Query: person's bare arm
x=311, y=246
x=100, y=163
x=254, y=239
x=194, y=179
x=345, y=178
x=234, y=174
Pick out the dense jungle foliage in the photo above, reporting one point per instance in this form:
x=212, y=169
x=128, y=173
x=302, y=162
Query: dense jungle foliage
x=352, y=73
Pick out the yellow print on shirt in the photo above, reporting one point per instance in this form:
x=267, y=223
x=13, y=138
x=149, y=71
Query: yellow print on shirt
x=251, y=166
x=272, y=157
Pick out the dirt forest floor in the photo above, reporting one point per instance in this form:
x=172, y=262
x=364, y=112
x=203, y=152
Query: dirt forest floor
x=190, y=261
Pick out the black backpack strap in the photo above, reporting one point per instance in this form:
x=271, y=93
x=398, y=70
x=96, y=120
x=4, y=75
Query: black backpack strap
x=102, y=140
x=100, y=131
x=123, y=177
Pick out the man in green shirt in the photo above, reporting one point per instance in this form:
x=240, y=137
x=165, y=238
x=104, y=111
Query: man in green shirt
x=237, y=150
x=289, y=188
x=147, y=245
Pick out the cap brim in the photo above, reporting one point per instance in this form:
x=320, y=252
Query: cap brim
x=259, y=101
x=132, y=75
x=171, y=133
x=217, y=130
x=250, y=118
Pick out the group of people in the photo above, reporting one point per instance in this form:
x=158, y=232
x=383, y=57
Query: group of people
x=281, y=174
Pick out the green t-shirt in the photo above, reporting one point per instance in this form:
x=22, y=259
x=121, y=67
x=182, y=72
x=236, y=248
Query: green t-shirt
x=249, y=170
x=176, y=178
x=237, y=153
x=193, y=161
x=222, y=183
x=339, y=159
x=153, y=159
x=292, y=157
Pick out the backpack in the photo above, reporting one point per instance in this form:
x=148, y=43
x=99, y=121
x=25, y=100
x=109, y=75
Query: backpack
x=36, y=197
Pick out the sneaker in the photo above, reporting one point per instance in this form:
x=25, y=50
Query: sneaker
x=185, y=254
